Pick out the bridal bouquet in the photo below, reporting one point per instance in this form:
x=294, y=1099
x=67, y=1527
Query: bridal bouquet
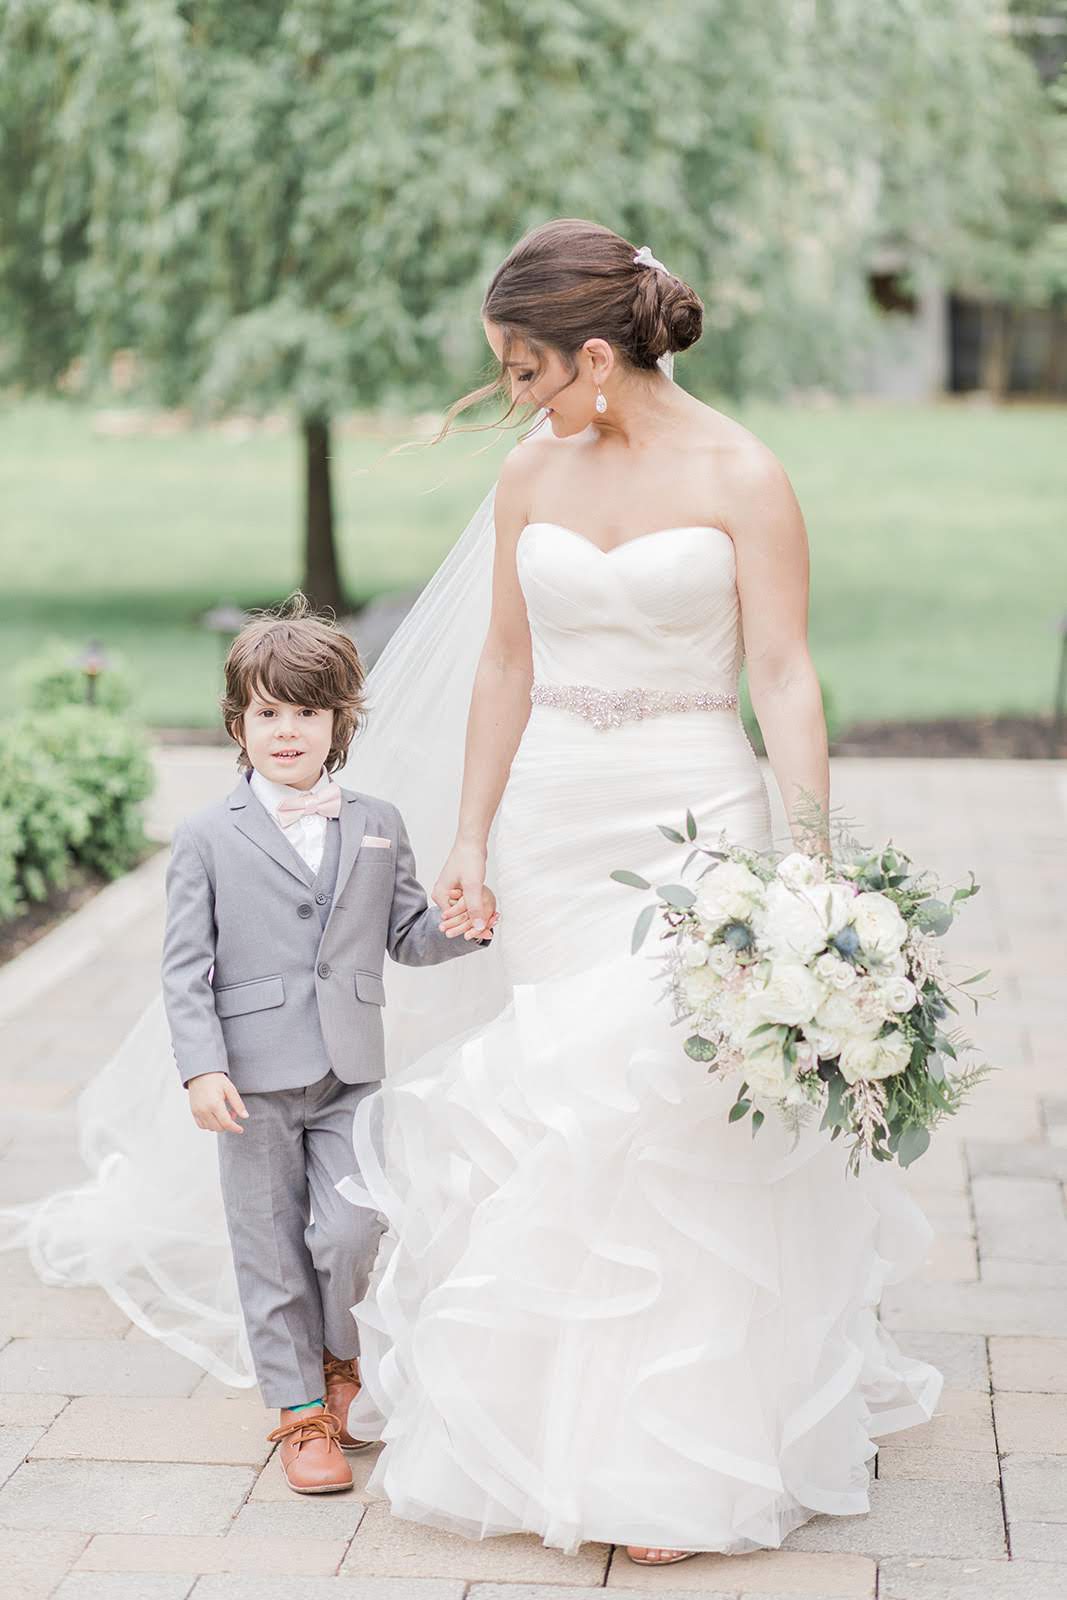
x=819, y=986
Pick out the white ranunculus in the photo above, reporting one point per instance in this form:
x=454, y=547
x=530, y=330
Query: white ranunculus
x=694, y=953
x=797, y=870
x=840, y=1016
x=793, y=927
x=792, y=994
x=729, y=893
x=874, y=1058
x=879, y=925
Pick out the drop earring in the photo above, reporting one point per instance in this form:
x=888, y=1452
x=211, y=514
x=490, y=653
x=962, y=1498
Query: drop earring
x=601, y=403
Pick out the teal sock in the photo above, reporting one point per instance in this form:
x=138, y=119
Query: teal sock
x=307, y=1405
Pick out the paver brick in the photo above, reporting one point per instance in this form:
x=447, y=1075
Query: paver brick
x=914, y=1518
x=113, y=1497
x=146, y=1552
x=968, y=1579
x=1033, y=1423
x=1035, y=1488
x=95, y=1366
x=1037, y=1365
x=386, y=1546
x=101, y=1428
x=758, y=1572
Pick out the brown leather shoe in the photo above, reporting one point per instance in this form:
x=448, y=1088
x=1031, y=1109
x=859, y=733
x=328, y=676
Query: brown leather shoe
x=342, y=1386
x=311, y=1458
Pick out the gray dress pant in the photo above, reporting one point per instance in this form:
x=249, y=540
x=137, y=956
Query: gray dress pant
x=302, y=1253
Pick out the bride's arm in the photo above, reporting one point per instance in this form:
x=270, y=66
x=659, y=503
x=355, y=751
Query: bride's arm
x=500, y=701
x=772, y=581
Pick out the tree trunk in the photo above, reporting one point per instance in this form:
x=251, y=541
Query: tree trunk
x=322, y=577
x=998, y=349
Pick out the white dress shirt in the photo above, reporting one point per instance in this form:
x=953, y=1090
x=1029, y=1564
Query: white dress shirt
x=307, y=835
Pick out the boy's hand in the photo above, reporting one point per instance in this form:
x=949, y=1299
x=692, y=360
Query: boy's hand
x=457, y=919
x=212, y=1097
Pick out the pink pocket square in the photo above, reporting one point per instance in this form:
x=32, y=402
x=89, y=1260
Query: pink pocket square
x=372, y=841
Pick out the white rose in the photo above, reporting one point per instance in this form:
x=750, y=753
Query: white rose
x=699, y=986
x=793, y=926
x=765, y=1073
x=874, y=1058
x=694, y=953
x=798, y=870
x=840, y=1016
x=823, y=1042
x=834, y=904
x=722, y=959
x=791, y=995
x=728, y=893
x=900, y=994
x=833, y=970
x=879, y=925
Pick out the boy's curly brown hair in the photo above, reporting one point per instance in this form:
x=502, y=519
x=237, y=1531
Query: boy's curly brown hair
x=295, y=655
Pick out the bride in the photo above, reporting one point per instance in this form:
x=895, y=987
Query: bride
x=599, y=1311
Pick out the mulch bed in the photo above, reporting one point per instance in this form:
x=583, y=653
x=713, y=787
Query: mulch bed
x=25, y=930
x=1012, y=737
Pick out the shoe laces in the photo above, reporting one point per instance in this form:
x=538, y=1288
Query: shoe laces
x=302, y=1430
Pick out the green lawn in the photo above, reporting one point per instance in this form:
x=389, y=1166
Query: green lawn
x=938, y=535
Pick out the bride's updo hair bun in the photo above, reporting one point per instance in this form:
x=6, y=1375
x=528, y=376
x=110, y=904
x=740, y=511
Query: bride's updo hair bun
x=667, y=315
x=570, y=280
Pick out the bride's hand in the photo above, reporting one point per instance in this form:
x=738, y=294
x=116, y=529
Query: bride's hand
x=464, y=874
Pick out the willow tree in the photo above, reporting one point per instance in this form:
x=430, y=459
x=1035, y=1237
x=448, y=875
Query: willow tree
x=296, y=203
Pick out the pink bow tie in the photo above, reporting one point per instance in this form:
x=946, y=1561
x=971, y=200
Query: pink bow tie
x=327, y=803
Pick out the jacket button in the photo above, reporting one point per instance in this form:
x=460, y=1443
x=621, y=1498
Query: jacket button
x=324, y=969
x=304, y=910
x=320, y=900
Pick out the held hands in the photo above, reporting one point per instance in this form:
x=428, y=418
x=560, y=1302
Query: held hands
x=212, y=1099
x=467, y=906
x=457, y=919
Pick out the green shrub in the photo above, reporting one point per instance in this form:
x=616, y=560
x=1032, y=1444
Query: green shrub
x=72, y=787
x=54, y=678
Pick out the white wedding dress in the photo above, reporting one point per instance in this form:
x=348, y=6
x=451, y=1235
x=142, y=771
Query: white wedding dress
x=600, y=1311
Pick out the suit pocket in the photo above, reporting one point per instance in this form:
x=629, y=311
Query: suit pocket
x=259, y=994
x=370, y=987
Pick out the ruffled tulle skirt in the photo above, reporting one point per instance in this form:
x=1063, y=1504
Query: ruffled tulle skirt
x=601, y=1311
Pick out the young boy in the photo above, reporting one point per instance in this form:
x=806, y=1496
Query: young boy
x=281, y=902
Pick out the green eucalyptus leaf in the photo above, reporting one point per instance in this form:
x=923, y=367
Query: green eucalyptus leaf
x=912, y=1144
x=676, y=895
x=670, y=833
x=690, y=825
x=632, y=879
x=641, y=927
x=738, y=1109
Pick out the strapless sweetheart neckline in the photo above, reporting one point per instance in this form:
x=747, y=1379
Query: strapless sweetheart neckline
x=654, y=533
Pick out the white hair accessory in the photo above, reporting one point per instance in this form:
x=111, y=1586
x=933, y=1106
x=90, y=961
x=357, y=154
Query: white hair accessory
x=645, y=258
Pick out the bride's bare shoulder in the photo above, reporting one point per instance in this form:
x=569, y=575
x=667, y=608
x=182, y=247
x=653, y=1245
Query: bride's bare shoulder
x=524, y=466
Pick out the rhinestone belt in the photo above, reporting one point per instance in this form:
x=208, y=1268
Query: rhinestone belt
x=610, y=708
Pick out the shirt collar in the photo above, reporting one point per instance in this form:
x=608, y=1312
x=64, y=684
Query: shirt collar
x=270, y=794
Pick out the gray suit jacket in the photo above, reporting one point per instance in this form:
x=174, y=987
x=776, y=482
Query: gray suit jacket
x=267, y=975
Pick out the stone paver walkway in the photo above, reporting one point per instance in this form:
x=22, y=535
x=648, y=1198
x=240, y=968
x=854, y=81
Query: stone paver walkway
x=124, y=1471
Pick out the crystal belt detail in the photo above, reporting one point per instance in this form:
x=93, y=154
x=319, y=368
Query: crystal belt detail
x=610, y=708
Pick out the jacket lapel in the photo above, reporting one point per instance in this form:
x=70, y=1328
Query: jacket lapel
x=250, y=819
x=353, y=820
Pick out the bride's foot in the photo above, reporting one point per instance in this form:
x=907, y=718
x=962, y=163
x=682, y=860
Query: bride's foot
x=654, y=1557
